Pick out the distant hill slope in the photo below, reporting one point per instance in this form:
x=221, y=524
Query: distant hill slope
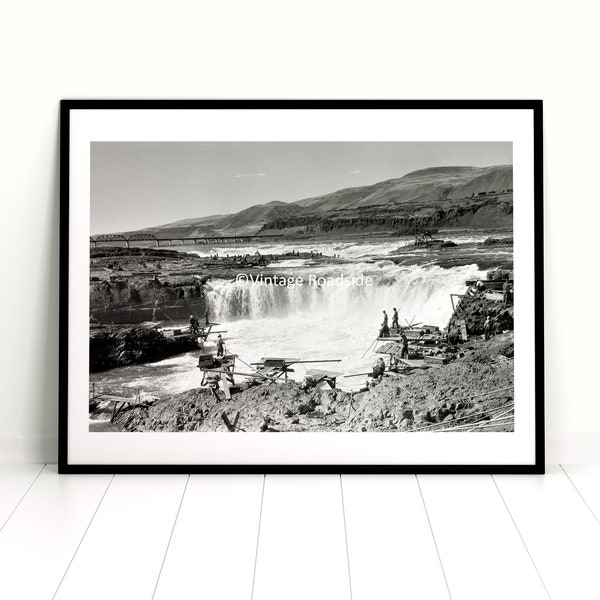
x=427, y=185
x=256, y=216
x=469, y=196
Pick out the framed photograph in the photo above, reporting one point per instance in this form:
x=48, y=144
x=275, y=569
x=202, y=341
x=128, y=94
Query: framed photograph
x=301, y=286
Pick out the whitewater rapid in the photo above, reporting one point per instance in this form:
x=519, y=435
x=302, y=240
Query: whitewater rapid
x=332, y=321
x=310, y=322
x=351, y=249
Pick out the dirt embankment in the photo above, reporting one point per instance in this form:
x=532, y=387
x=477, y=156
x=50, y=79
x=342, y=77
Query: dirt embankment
x=112, y=346
x=457, y=394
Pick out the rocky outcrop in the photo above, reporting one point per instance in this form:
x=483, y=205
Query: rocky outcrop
x=475, y=310
x=489, y=214
x=136, y=278
x=112, y=347
x=498, y=242
x=123, y=294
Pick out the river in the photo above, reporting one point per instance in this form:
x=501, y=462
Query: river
x=327, y=318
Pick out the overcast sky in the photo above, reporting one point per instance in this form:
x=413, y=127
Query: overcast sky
x=141, y=184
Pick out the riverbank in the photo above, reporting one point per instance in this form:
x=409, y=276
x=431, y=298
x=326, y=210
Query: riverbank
x=113, y=346
x=472, y=392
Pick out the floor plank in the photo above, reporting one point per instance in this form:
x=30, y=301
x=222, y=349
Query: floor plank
x=302, y=546
x=14, y=483
x=42, y=536
x=391, y=549
x=213, y=548
x=481, y=551
x=122, y=552
x=561, y=534
x=586, y=479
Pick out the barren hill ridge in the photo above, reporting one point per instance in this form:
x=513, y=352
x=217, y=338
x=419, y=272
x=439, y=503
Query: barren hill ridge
x=438, y=196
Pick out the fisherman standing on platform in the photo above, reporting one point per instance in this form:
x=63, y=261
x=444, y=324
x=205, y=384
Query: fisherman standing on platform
x=385, y=330
x=220, y=346
x=395, y=319
x=194, y=325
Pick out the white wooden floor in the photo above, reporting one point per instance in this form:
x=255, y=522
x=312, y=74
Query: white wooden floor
x=305, y=537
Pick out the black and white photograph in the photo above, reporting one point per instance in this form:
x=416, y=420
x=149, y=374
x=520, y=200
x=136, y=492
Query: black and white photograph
x=301, y=286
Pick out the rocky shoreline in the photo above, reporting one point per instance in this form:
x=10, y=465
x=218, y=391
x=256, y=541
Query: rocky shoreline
x=113, y=346
x=470, y=393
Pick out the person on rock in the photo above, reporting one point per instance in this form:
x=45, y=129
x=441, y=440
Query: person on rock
x=395, y=319
x=487, y=327
x=378, y=369
x=453, y=337
x=381, y=364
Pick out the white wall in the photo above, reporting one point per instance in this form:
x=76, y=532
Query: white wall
x=307, y=49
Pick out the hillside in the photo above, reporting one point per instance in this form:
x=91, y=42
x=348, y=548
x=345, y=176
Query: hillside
x=257, y=215
x=426, y=186
x=438, y=196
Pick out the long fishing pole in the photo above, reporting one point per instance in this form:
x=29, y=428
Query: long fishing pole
x=166, y=315
x=372, y=343
x=243, y=362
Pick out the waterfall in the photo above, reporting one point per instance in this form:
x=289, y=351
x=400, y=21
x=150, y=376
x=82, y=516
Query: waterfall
x=422, y=292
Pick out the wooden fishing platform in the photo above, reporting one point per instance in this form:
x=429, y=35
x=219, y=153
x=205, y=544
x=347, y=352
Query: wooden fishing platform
x=322, y=376
x=120, y=402
x=430, y=357
x=490, y=284
x=274, y=366
x=218, y=373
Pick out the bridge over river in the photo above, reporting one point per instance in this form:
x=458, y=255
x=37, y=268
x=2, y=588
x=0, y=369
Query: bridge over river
x=144, y=238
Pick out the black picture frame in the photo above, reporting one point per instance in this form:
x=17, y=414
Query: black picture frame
x=66, y=106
